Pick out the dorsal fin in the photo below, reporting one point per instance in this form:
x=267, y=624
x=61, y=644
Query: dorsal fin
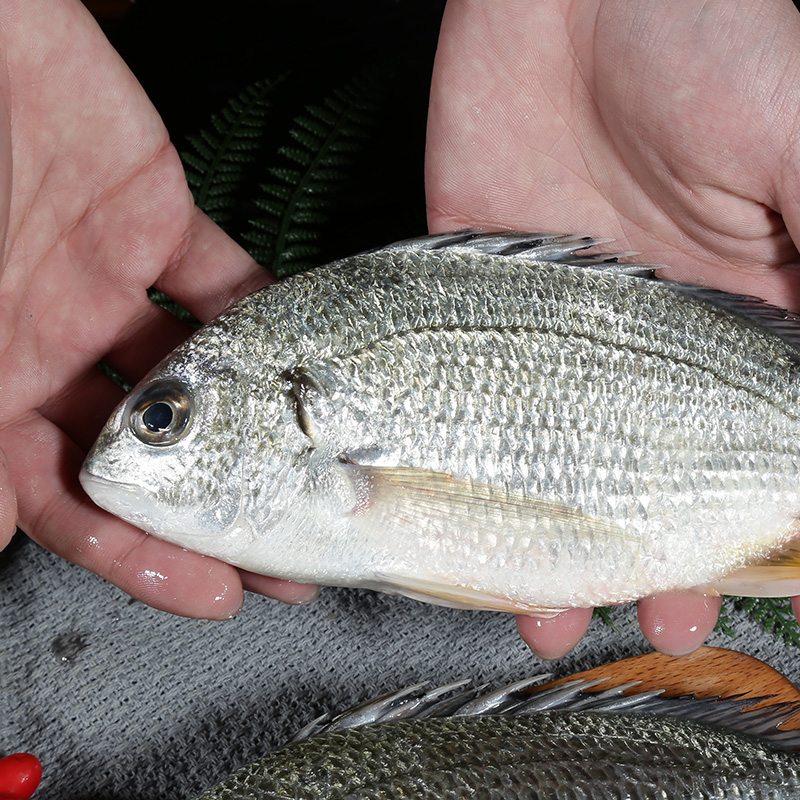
x=554, y=247
x=565, y=248
x=695, y=688
x=777, y=320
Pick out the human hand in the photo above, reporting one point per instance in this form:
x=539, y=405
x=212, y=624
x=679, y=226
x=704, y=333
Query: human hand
x=94, y=209
x=671, y=127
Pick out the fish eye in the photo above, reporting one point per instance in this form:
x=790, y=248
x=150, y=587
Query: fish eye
x=160, y=413
x=158, y=417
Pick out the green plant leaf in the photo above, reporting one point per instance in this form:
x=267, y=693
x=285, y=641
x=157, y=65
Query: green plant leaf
x=219, y=161
x=774, y=614
x=310, y=170
x=223, y=154
x=605, y=613
x=176, y=309
x=725, y=623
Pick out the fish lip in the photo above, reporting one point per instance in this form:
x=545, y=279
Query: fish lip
x=97, y=486
x=125, y=500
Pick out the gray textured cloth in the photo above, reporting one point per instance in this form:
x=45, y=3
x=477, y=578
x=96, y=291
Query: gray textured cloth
x=148, y=705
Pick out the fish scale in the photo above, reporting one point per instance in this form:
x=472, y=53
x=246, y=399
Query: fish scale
x=485, y=422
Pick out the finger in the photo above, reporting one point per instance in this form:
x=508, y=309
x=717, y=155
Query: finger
x=81, y=409
x=54, y=512
x=677, y=624
x=298, y=594
x=154, y=333
x=553, y=637
x=210, y=271
x=8, y=503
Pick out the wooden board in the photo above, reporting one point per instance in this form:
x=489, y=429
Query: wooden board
x=708, y=672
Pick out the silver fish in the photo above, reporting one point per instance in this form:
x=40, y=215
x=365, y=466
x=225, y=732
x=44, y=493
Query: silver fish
x=486, y=421
x=561, y=743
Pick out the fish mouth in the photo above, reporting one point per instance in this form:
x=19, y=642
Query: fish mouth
x=125, y=500
x=134, y=504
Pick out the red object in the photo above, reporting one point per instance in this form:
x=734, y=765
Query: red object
x=20, y=774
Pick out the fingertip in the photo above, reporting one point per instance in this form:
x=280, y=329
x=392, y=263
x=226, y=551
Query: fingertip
x=677, y=624
x=796, y=607
x=551, y=638
x=184, y=583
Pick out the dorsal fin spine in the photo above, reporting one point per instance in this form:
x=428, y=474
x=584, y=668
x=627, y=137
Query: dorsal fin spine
x=414, y=702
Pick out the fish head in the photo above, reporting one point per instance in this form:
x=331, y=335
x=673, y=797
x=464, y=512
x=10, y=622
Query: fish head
x=171, y=460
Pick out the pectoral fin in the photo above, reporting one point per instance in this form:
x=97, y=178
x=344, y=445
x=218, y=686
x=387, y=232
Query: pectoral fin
x=410, y=504
x=411, y=497
x=775, y=576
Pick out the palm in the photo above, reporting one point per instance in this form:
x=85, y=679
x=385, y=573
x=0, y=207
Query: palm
x=96, y=211
x=666, y=126
x=670, y=127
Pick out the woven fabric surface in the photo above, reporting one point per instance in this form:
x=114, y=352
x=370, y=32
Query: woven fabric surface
x=122, y=702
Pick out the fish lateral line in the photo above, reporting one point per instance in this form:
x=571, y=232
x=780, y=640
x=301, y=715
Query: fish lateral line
x=304, y=375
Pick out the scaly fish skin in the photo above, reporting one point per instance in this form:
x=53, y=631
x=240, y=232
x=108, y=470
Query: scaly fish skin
x=520, y=430
x=546, y=756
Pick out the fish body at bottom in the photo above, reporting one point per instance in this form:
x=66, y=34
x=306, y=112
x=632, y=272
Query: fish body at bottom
x=543, y=755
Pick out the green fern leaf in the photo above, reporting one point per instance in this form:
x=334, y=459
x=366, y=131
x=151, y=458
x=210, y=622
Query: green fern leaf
x=605, y=613
x=176, y=309
x=724, y=622
x=219, y=160
x=114, y=375
x=222, y=153
x=312, y=168
x=774, y=614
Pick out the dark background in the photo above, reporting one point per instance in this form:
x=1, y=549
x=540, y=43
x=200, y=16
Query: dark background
x=192, y=57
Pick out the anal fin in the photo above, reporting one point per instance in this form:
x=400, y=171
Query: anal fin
x=454, y=596
x=777, y=575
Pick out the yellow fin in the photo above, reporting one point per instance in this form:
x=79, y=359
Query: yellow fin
x=777, y=575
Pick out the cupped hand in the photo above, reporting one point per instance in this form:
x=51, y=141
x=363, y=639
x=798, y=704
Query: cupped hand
x=94, y=209
x=670, y=127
